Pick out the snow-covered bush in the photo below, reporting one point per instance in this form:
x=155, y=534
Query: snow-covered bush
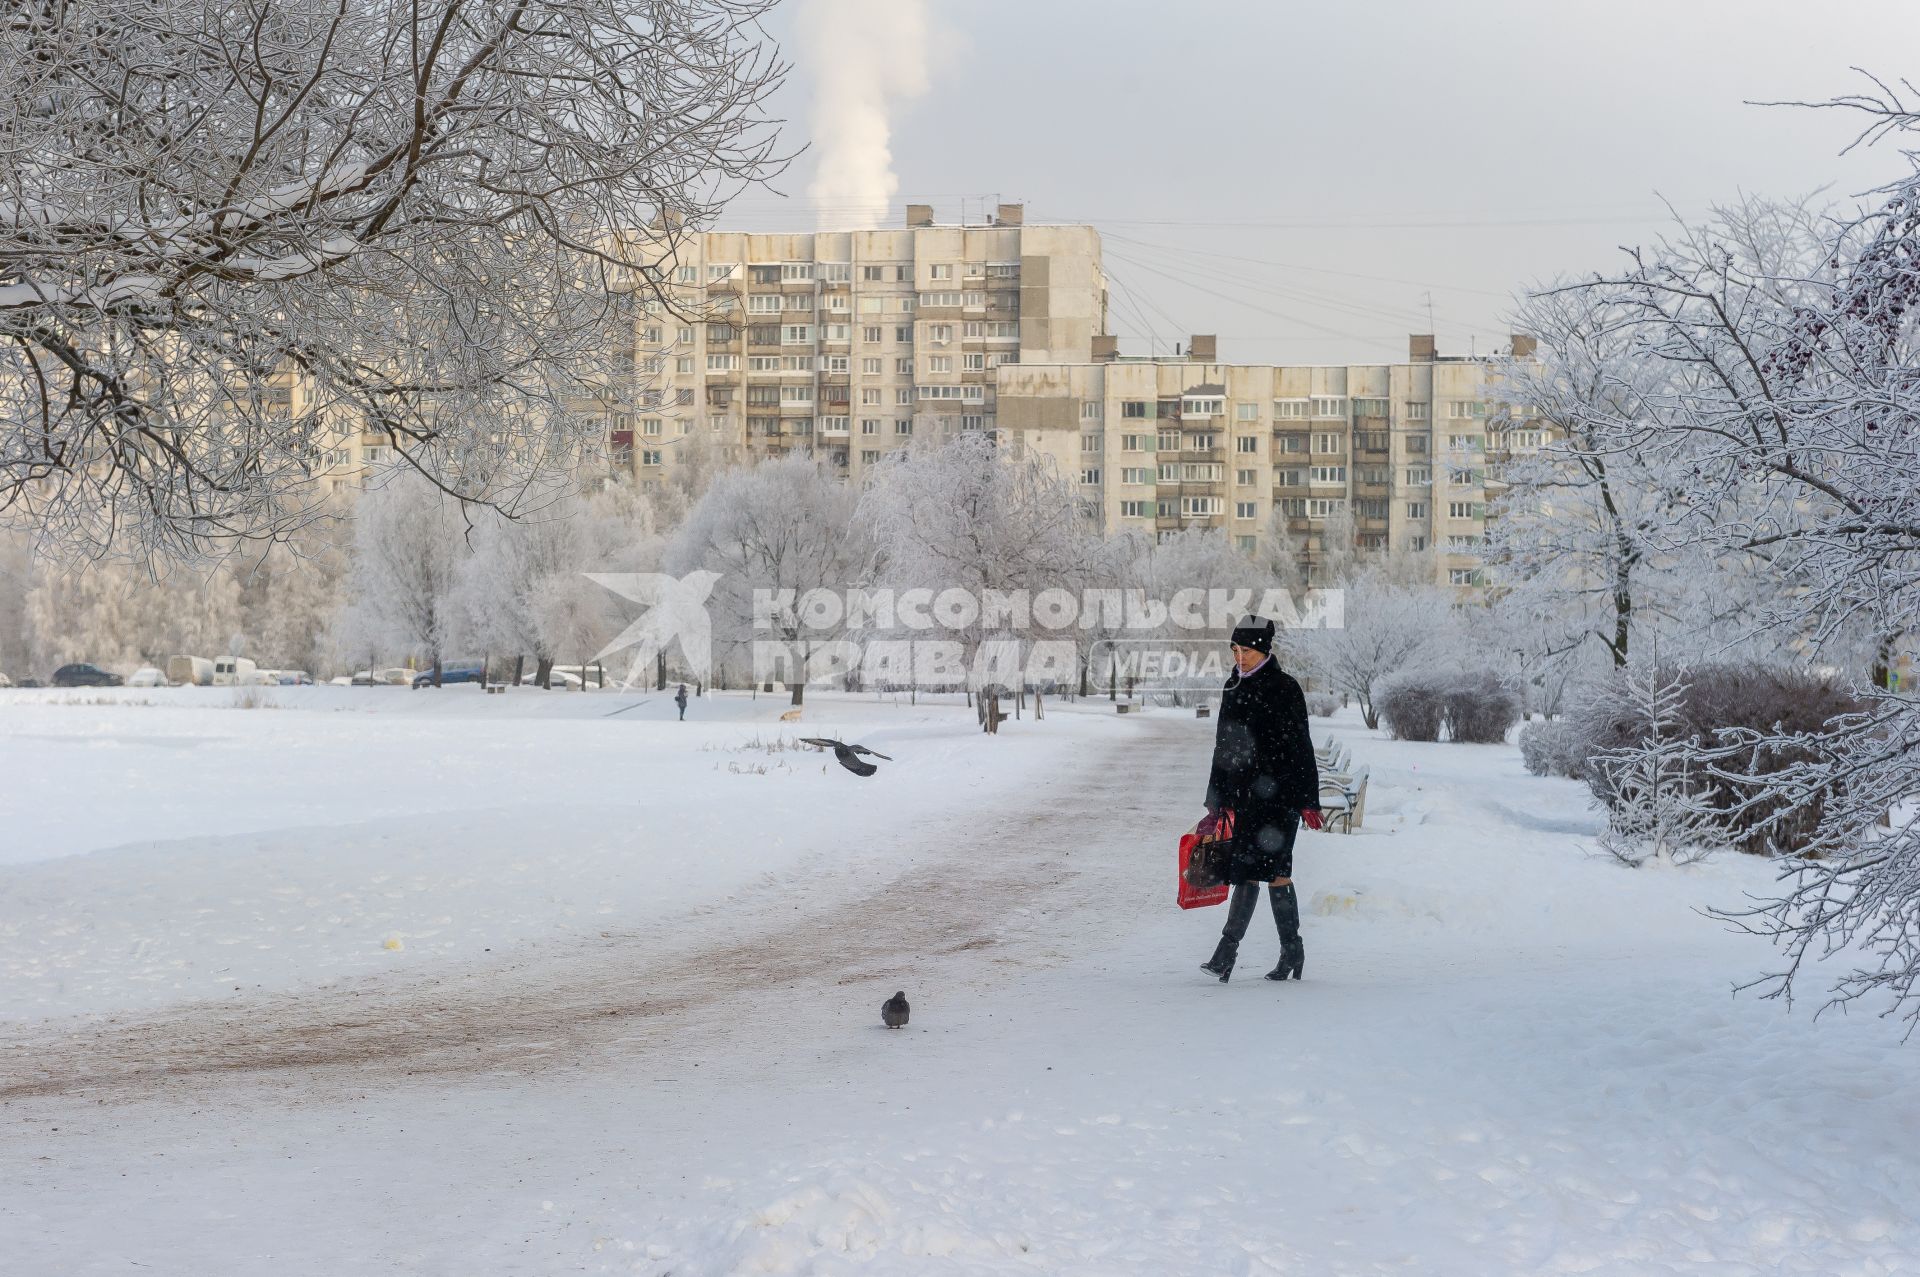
x=1413, y=706
x=1747, y=727
x=1322, y=704
x=1471, y=706
x=1553, y=748
x=1480, y=709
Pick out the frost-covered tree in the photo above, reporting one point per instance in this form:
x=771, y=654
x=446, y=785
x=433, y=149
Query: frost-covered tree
x=1389, y=628
x=408, y=543
x=782, y=525
x=1657, y=806
x=971, y=517
x=228, y=230
x=1795, y=413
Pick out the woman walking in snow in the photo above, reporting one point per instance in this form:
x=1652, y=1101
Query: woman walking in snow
x=1264, y=773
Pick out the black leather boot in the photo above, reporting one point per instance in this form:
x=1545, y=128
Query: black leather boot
x=1239, y=913
x=1286, y=917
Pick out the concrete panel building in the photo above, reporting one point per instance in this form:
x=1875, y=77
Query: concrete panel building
x=849, y=344
x=1157, y=445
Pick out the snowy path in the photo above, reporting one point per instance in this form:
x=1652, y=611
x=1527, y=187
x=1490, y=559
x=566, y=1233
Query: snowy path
x=1507, y=1058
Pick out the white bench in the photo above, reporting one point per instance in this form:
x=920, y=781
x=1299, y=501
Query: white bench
x=1343, y=799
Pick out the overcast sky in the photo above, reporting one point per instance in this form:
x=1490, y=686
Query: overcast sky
x=1300, y=178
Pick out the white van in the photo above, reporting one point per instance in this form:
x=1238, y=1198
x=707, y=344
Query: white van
x=189, y=671
x=233, y=671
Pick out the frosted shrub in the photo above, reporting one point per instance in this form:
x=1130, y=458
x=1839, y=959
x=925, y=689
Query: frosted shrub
x=1480, y=709
x=1748, y=727
x=1322, y=704
x=1553, y=749
x=1413, y=706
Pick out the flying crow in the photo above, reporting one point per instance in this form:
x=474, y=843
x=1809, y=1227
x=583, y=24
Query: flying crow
x=847, y=754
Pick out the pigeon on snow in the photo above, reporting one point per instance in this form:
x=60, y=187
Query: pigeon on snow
x=847, y=754
x=893, y=1012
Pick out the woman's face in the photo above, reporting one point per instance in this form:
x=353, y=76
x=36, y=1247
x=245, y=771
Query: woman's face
x=1247, y=658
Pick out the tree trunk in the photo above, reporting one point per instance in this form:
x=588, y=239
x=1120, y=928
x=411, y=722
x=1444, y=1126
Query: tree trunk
x=436, y=669
x=543, y=672
x=519, y=667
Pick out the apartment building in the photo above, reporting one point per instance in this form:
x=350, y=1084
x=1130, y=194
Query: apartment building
x=848, y=344
x=1402, y=450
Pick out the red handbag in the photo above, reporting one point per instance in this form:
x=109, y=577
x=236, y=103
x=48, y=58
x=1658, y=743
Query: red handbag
x=1203, y=862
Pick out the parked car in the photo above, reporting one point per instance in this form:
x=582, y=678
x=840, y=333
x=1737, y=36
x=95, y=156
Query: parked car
x=232, y=671
x=189, y=671
x=462, y=672
x=84, y=675
x=394, y=677
x=559, y=679
x=296, y=678
x=146, y=676
x=30, y=682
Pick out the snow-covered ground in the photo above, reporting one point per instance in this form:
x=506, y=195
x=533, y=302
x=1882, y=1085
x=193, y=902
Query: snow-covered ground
x=632, y=1024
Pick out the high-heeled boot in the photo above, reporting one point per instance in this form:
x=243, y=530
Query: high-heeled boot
x=1286, y=917
x=1239, y=914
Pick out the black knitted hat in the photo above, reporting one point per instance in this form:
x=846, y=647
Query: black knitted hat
x=1255, y=632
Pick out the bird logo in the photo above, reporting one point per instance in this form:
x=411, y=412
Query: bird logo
x=893, y=1012
x=849, y=755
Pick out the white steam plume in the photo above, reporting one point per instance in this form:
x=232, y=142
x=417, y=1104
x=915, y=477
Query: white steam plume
x=865, y=55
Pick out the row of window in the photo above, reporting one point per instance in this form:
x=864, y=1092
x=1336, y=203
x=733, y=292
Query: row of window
x=1312, y=407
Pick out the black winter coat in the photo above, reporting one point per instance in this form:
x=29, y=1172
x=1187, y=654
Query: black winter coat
x=1263, y=770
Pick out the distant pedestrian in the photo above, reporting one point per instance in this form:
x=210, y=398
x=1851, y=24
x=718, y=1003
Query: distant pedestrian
x=1265, y=774
x=680, y=699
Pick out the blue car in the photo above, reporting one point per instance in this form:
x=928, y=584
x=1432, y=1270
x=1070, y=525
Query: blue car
x=465, y=672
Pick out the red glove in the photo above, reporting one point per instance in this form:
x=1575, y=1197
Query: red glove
x=1310, y=817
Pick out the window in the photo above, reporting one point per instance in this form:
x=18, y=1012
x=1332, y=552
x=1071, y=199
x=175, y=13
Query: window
x=1416, y=445
x=1370, y=407
x=1289, y=408
x=1136, y=443
x=1465, y=542
x=763, y=363
x=1416, y=509
x=1202, y=442
x=686, y=275
x=838, y=302
x=1135, y=509
x=1329, y=406
x=903, y=367
x=1091, y=443
x=1090, y=475
x=941, y=271
x=833, y=363
x=763, y=303
x=904, y=335
x=1134, y=408
x=1463, y=576
x=650, y=456
x=1245, y=510
x=939, y=334
x=721, y=270
x=796, y=335
x=939, y=363
x=903, y=425
x=717, y=421
x=684, y=397
x=1202, y=407
x=1370, y=441
x=1416, y=411
x=1465, y=443
x=798, y=301
x=1329, y=474
x=723, y=363
x=1323, y=507
x=1374, y=475
x=869, y=456
x=1462, y=409
x=906, y=305
x=651, y=335
x=938, y=299
x=1463, y=476
x=1169, y=441
x=1463, y=509
x=1246, y=478
x=1330, y=443
x=1417, y=544
x=685, y=335
x=870, y=366
x=1167, y=472
x=1526, y=440
x=835, y=332
x=796, y=394
x=764, y=274
x=970, y=394
x=870, y=335
x=1164, y=509
x=974, y=363
x=1295, y=477
x=1199, y=507
x=1293, y=507
x=1370, y=507
x=1249, y=444
x=1246, y=412
x=836, y=272
x=903, y=395
x=869, y=426
x=1202, y=472
x=1136, y=474
x=1290, y=443
x=872, y=274
x=796, y=270
x=833, y=425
